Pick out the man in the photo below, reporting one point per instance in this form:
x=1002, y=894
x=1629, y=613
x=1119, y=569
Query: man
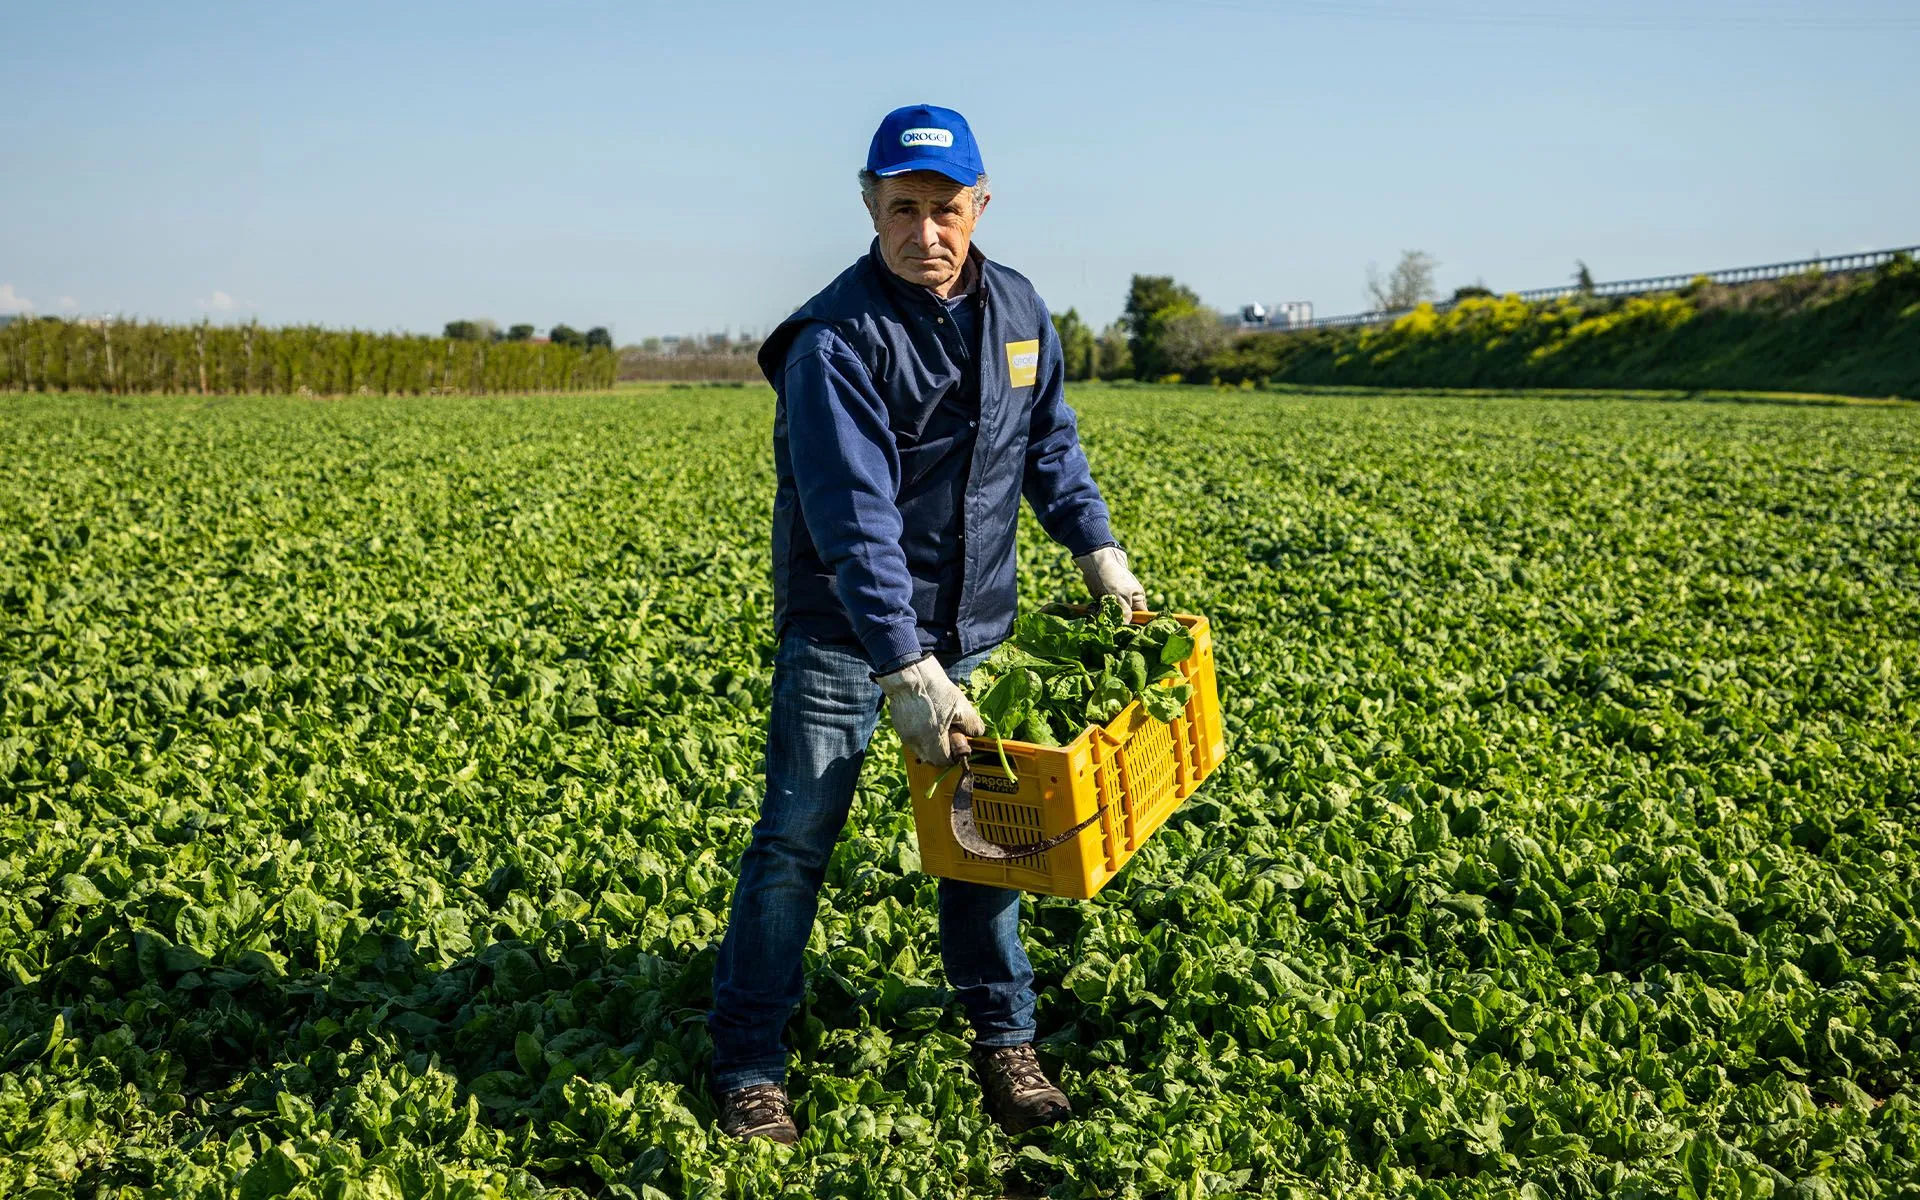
x=920, y=395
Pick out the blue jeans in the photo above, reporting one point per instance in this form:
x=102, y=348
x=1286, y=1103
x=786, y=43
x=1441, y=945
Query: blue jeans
x=825, y=707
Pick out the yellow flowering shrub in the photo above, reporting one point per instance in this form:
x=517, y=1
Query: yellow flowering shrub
x=1859, y=334
x=1640, y=314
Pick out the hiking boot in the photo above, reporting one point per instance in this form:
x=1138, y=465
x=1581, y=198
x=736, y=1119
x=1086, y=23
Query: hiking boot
x=1019, y=1094
x=759, y=1111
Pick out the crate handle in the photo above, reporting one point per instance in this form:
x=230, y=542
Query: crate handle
x=973, y=841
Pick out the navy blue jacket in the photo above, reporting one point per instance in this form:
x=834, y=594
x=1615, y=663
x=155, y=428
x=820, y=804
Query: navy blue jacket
x=902, y=448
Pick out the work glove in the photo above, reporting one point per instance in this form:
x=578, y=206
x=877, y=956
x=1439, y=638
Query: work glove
x=928, y=709
x=1105, y=571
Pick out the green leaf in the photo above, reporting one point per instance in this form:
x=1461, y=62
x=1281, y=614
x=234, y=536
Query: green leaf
x=527, y=1052
x=79, y=890
x=1699, y=1164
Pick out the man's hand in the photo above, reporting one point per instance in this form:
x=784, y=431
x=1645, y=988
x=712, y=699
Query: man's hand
x=1106, y=573
x=927, y=708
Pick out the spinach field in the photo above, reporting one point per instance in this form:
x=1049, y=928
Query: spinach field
x=372, y=772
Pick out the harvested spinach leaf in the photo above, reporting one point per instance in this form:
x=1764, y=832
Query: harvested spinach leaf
x=1058, y=674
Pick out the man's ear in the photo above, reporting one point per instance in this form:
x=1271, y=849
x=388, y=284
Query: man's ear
x=984, y=201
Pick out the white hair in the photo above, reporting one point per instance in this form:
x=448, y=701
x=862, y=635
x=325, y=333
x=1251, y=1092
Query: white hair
x=870, y=190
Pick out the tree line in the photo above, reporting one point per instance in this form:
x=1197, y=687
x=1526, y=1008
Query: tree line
x=480, y=329
x=1165, y=332
x=50, y=354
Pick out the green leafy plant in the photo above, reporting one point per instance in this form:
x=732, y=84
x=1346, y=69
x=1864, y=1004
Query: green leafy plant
x=1058, y=675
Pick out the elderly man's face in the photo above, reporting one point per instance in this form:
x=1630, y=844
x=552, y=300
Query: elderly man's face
x=925, y=222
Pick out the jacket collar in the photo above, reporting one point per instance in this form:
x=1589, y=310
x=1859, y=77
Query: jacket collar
x=913, y=292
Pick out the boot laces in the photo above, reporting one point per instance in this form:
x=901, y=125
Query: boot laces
x=1020, y=1068
x=761, y=1104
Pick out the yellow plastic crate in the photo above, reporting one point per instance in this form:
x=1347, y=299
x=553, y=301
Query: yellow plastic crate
x=1133, y=772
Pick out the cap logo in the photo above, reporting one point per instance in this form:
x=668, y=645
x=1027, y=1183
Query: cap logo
x=926, y=137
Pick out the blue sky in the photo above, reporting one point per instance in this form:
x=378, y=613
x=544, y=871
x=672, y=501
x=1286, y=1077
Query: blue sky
x=663, y=169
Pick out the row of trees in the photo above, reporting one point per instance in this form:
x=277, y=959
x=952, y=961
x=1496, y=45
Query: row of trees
x=48, y=354
x=1165, y=330
x=724, y=357
x=481, y=329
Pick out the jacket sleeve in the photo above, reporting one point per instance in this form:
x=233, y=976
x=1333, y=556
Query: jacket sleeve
x=1058, y=483
x=846, y=470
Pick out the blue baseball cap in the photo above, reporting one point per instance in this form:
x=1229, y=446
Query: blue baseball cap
x=921, y=137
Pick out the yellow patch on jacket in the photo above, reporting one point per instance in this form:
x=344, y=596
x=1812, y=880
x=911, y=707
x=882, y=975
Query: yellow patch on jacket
x=1023, y=363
